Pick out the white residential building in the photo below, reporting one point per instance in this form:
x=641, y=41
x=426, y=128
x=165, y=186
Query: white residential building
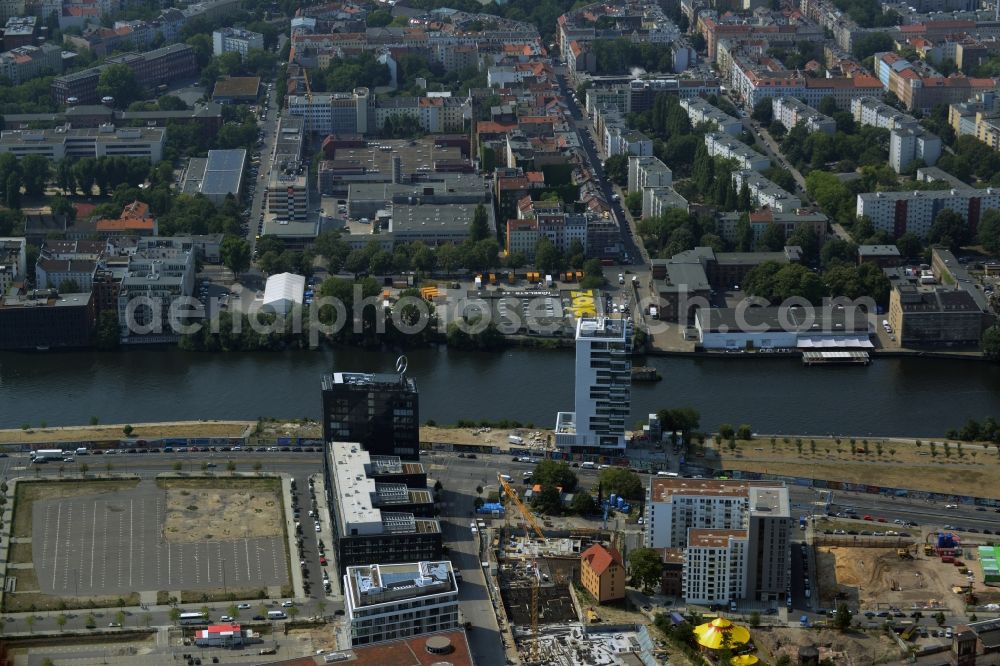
x=909, y=145
x=390, y=601
x=722, y=145
x=790, y=112
x=160, y=271
x=648, y=172
x=899, y=212
x=236, y=40
x=658, y=200
x=104, y=141
x=876, y=113
x=735, y=536
x=603, y=387
x=764, y=192
x=699, y=111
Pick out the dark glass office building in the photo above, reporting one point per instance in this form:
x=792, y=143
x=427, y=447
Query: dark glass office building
x=380, y=411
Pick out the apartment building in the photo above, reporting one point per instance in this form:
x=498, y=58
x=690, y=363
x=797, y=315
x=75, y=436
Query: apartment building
x=648, y=172
x=13, y=262
x=876, y=113
x=735, y=536
x=658, y=200
x=790, y=112
x=907, y=146
x=899, y=212
x=966, y=117
x=919, y=87
x=236, y=40
x=603, y=386
x=639, y=95
x=728, y=224
x=160, y=271
x=602, y=573
x=726, y=147
x=28, y=62
x=364, y=533
x=700, y=111
x=104, y=141
x=764, y=192
x=385, y=602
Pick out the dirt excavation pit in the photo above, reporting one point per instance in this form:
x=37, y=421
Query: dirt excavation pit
x=876, y=578
x=204, y=514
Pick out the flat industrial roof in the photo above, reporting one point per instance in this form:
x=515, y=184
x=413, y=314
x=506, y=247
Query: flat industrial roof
x=224, y=171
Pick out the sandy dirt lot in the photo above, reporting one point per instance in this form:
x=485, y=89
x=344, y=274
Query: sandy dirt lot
x=902, y=463
x=876, y=578
x=851, y=649
x=533, y=437
x=111, y=432
x=196, y=511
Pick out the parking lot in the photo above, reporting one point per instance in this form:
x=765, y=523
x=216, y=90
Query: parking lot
x=92, y=546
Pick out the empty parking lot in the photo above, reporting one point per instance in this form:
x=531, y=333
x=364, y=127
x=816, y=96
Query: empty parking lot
x=103, y=545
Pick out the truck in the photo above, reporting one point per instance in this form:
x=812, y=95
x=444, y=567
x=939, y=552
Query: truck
x=479, y=282
x=802, y=522
x=82, y=451
x=548, y=281
x=45, y=455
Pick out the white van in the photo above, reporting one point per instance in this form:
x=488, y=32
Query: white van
x=587, y=465
x=276, y=615
x=505, y=477
x=672, y=475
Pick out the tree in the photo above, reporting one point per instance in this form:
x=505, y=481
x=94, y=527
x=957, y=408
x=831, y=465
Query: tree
x=842, y=618
x=235, y=253
x=989, y=231
x=553, y=473
x=616, y=169
x=118, y=81
x=909, y=244
x=479, y=228
x=622, y=482
x=949, y=229
x=61, y=620
x=940, y=618
x=12, y=191
x=583, y=504
x=991, y=343
x=762, y=111
x=35, y=171
x=128, y=430
x=744, y=432
x=548, y=500
x=646, y=567
x=726, y=431
x=773, y=238
x=754, y=619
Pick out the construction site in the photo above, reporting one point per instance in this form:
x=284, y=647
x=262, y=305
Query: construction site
x=535, y=575
x=923, y=576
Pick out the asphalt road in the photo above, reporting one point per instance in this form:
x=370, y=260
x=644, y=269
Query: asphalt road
x=269, y=126
x=585, y=133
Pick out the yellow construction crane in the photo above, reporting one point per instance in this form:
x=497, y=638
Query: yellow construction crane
x=533, y=650
x=309, y=92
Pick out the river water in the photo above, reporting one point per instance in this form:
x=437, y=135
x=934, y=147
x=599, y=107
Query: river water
x=919, y=397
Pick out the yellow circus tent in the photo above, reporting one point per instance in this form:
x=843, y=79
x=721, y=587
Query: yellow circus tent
x=744, y=660
x=711, y=634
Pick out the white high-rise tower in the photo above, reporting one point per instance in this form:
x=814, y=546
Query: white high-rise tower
x=603, y=388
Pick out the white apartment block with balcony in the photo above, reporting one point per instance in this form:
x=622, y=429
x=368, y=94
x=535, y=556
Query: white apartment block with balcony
x=735, y=535
x=790, y=112
x=909, y=145
x=876, y=113
x=236, y=40
x=699, y=111
x=715, y=570
x=645, y=171
x=899, y=212
x=764, y=192
x=385, y=602
x=722, y=145
x=603, y=387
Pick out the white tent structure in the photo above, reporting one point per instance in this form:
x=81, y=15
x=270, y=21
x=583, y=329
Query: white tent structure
x=283, y=292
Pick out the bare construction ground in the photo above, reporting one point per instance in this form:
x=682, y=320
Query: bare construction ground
x=851, y=649
x=205, y=509
x=114, y=432
x=877, y=577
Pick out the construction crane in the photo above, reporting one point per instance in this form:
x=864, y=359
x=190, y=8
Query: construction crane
x=309, y=92
x=533, y=650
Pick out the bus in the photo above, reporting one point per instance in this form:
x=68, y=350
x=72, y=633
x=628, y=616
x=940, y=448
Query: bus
x=192, y=618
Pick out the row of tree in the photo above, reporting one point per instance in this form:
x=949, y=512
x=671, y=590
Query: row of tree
x=778, y=282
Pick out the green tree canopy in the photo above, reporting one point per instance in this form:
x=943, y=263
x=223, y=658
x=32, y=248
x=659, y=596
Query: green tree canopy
x=646, y=567
x=623, y=482
x=554, y=473
x=119, y=81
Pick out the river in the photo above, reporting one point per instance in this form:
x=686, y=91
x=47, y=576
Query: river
x=919, y=397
